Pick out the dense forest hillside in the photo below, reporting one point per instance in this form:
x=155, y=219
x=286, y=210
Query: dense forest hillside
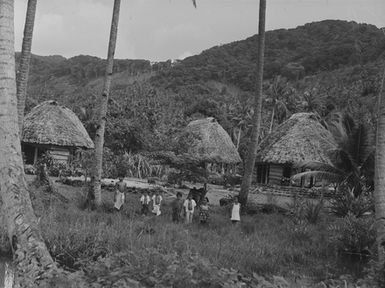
x=320, y=67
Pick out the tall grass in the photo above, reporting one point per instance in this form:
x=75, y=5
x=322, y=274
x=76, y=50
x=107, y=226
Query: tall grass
x=264, y=244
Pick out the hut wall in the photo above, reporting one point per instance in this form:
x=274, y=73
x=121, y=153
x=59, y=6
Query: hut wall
x=262, y=173
x=61, y=155
x=275, y=174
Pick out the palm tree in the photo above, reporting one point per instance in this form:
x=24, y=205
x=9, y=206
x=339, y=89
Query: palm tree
x=352, y=161
x=379, y=178
x=29, y=250
x=257, y=116
x=95, y=191
x=23, y=71
x=276, y=92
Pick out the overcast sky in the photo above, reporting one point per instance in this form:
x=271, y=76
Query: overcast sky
x=172, y=29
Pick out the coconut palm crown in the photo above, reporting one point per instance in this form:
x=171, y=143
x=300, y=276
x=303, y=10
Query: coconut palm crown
x=352, y=162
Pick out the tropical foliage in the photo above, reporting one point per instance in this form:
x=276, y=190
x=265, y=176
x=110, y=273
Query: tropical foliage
x=149, y=103
x=352, y=163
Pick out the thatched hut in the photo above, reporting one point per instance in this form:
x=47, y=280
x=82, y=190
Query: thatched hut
x=54, y=128
x=207, y=141
x=298, y=140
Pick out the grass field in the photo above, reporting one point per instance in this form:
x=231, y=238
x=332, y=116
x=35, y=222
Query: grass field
x=268, y=245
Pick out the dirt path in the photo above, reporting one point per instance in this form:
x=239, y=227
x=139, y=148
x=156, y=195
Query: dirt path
x=214, y=194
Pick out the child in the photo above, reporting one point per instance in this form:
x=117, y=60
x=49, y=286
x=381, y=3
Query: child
x=204, y=211
x=189, y=206
x=177, y=205
x=145, y=201
x=235, y=211
x=119, y=194
x=156, y=202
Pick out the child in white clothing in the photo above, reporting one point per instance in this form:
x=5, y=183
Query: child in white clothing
x=235, y=211
x=189, y=206
x=145, y=201
x=156, y=202
x=119, y=196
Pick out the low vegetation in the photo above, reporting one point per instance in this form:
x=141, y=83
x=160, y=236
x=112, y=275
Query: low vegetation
x=107, y=246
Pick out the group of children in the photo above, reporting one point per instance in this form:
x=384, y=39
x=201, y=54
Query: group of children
x=187, y=209
x=145, y=199
x=180, y=208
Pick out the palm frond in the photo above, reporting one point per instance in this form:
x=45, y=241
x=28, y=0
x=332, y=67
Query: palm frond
x=363, y=140
x=340, y=125
x=344, y=161
x=320, y=166
x=325, y=175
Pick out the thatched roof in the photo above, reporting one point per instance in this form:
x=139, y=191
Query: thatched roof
x=207, y=141
x=299, y=139
x=51, y=124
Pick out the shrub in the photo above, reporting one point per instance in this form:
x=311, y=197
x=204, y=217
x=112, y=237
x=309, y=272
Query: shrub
x=345, y=202
x=59, y=168
x=305, y=209
x=313, y=210
x=55, y=168
x=155, y=268
x=353, y=235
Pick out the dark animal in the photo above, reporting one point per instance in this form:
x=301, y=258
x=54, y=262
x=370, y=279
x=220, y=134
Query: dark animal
x=198, y=194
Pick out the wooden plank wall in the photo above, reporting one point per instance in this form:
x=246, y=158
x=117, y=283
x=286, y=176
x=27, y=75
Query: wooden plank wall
x=61, y=155
x=275, y=174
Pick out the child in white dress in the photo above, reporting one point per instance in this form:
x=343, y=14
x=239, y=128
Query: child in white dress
x=189, y=207
x=119, y=194
x=156, y=202
x=236, y=211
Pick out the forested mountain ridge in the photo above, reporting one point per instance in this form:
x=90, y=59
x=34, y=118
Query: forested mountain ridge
x=317, y=67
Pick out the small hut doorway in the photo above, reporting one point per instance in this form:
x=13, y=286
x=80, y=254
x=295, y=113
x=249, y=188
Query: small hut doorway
x=286, y=174
x=263, y=173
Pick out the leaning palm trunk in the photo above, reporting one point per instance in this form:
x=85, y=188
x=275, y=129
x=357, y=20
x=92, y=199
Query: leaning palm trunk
x=95, y=192
x=379, y=178
x=30, y=253
x=23, y=71
x=252, y=152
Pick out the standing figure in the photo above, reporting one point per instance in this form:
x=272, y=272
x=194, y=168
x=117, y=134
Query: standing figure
x=189, y=206
x=145, y=201
x=177, y=206
x=235, y=211
x=120, y=189
x=204, y=211
x=156, y=202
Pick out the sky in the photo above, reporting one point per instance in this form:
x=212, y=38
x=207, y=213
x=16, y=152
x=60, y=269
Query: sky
x=158, y=30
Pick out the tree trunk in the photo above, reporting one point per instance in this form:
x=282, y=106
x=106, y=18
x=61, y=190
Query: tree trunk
x=23, y=71
x=379, y=178
x=239, y=137
x=30, y=253
x=250, y=160
x=103, y=103
x=272, y=119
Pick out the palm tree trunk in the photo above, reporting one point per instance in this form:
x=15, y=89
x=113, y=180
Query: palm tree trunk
x=23, y=71
x=272, y=119
x=250, y=160
x=379, y=178
x=103, y=103
x=239, y=137
x=30, y=253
